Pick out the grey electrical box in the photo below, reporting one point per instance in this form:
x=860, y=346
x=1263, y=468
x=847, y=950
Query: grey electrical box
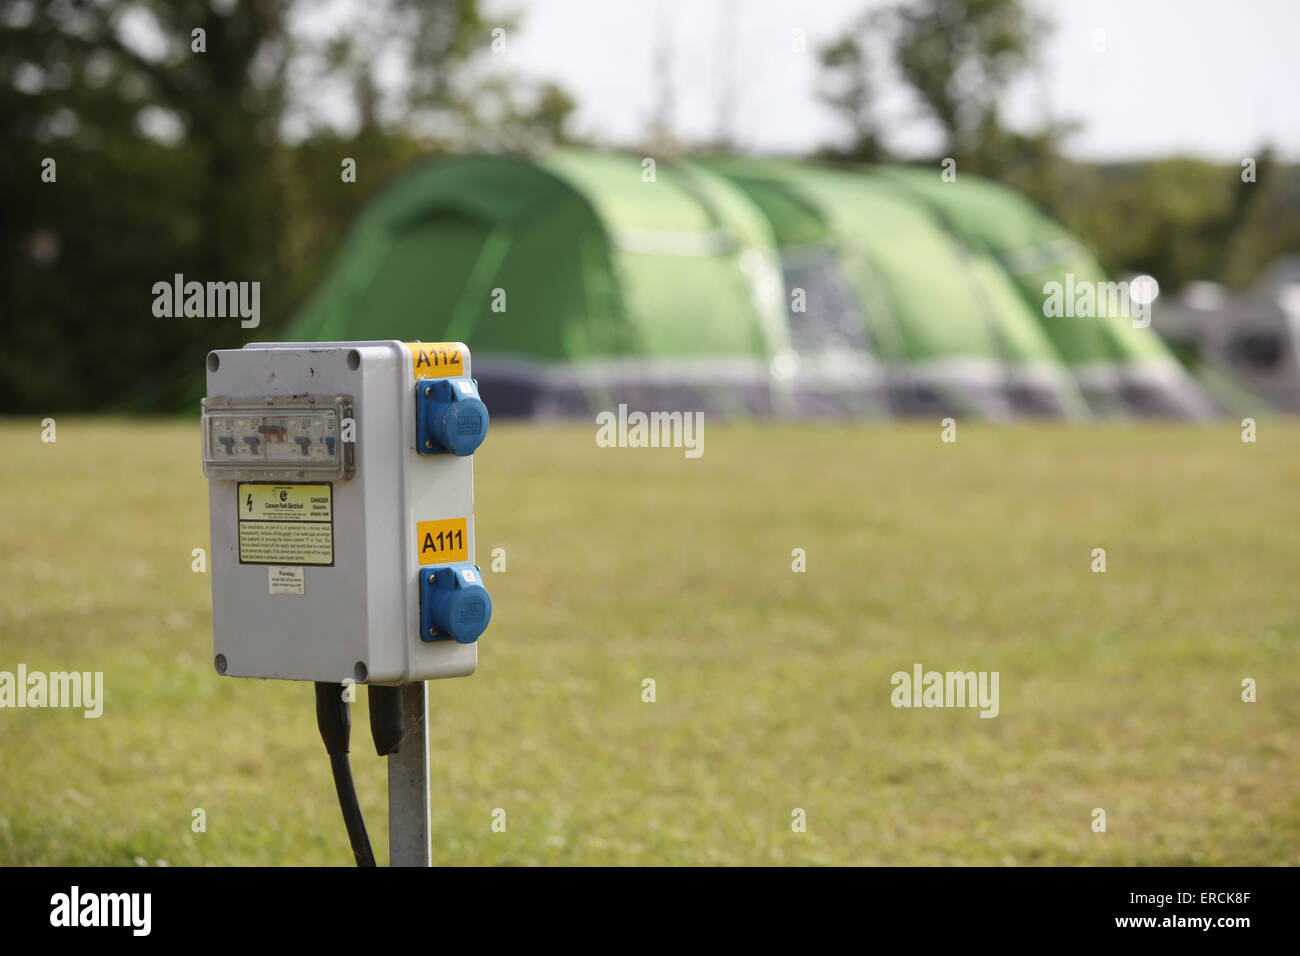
x=341, y=493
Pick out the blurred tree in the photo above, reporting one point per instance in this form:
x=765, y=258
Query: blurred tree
x=551, y=116
x=1178, y=219
x=959, y=56
x=162, y=156
x=404, y=64
x=215, y=154
x=956, y=56
x=1184, y=219
x=846, y=87
x=1270, y=224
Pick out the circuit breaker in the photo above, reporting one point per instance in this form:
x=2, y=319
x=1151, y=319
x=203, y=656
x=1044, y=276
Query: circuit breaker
x=341, y=495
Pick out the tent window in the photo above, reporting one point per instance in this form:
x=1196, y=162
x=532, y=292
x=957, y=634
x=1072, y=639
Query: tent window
x=831, y=320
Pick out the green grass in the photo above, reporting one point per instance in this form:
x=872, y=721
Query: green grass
x=1118, y=690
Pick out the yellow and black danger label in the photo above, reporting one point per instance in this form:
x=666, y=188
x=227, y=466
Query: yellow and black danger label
x=436, y=359
x=442, y=542
x=286, y=502
x=286, y=523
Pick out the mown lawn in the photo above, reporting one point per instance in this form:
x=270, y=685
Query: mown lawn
x=1119, y=690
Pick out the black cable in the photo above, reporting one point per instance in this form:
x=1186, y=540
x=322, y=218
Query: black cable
x=352, y=818
x=387, y=725
x=335, y=723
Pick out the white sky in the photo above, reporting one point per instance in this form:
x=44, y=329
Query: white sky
x=1213, y=78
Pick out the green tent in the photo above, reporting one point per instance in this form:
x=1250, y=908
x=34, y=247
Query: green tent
x=948, y=325
x=576, y=283
x=741, y=287
x=1119, y=367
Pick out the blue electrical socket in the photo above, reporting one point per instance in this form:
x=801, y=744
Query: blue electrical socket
x=450, y=418
x=454, y=604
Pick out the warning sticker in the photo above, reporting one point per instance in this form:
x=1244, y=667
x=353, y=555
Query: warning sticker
x=442, y=542
x=286, y=524
x=436, y=359
x=285, y=502
x=285, y=580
